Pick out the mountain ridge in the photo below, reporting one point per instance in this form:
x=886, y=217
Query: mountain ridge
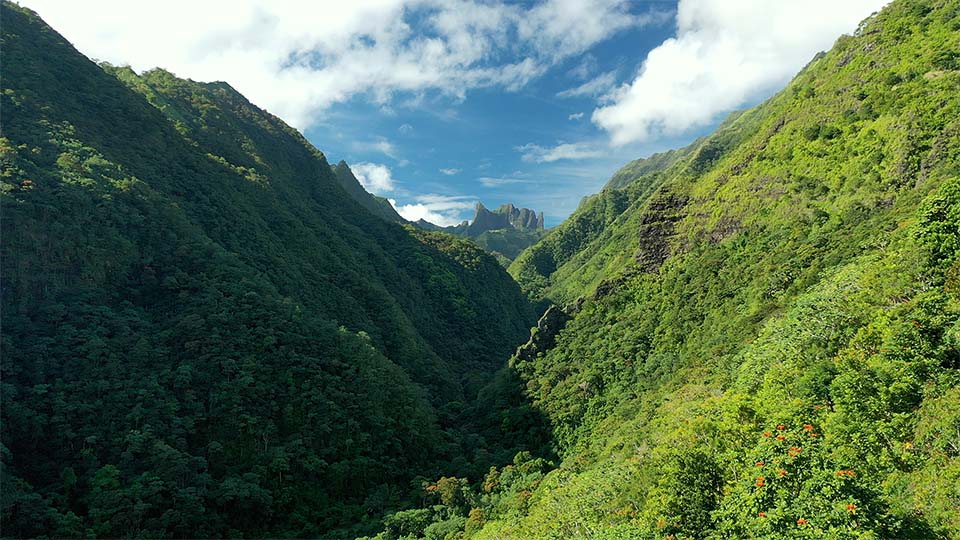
x=193, y=302
x=504, y=232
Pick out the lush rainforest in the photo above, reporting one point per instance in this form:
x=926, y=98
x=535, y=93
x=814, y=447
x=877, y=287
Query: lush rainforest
x=204, y=335
x=209, y=332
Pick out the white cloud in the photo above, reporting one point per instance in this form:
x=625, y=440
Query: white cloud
x=405, y=129
x=561, y=28
x=516, y=177
x=443, y=210
x=534, y=153
x=381, y=145
x=375, y=178
x=575, y=116
x=584, y=68
x=296, y=58
x=726, y=52
x=450, y=172
x=601, y=84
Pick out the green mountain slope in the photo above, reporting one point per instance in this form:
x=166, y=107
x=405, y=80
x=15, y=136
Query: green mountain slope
x=600, y=239
x=760, y=337
x=639, y=168
x=768, y=345
x=377, y=206
x=203, y=333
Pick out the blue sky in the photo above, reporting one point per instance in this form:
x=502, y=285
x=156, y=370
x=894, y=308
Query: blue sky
x=438, y=104
x=472, y=149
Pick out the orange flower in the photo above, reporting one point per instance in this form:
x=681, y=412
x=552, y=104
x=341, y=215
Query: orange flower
x=660, y=523
x=760, y=481
x=781, y=438
x=794, y=451
x=801, y=521
x=813, y=435
x=782, y=472
x=781, y=427
x=759, y=464
x=808, y=427
x=852, y=508
x=767, y=434
x=763, y=514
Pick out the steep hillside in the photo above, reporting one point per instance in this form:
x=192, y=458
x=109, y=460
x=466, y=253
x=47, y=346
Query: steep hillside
x=639, y=168
x=758, y=336
x=203, y=333
x=377, y=206
x=768, y=346
x=761, y=339
x=599, y=240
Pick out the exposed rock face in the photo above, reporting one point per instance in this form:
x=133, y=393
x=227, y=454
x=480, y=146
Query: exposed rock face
x=656, y=229
x=507, y=216
x=544, y=335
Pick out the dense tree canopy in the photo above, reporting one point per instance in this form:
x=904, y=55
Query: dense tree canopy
x=203, y=333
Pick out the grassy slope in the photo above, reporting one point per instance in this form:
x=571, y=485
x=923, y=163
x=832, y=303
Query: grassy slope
x=600, y=239
x=792, y=275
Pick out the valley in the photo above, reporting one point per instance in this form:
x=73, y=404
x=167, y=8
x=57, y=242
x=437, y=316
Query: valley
x=211, y=331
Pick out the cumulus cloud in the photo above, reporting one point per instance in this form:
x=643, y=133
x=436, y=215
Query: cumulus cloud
x=600, y=84
x=534, y=153
x=296, y=58
x=443, y=210
x=450, y=172
x=375, y=178
x=725, y=53
x=561, y=28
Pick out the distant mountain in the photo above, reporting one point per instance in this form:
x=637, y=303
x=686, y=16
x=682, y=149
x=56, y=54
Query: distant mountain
x=507, y=216
x=504, y=232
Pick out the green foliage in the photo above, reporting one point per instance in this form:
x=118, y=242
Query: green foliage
x=508, y=242
x=796, y=268
x=204, y=334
